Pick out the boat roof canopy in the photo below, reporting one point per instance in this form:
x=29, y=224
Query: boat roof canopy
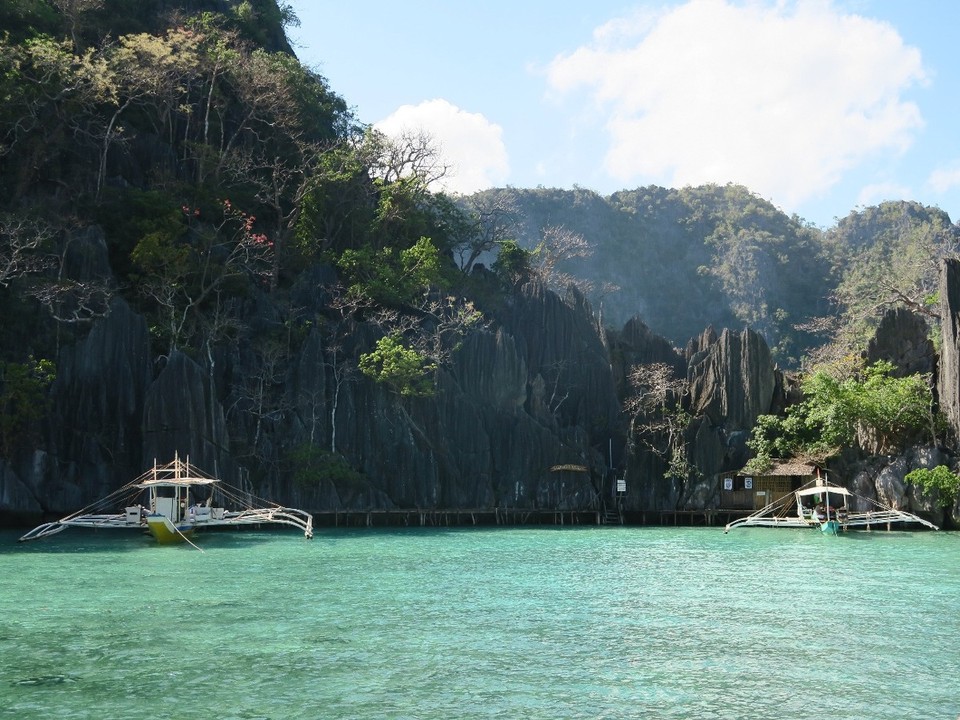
x=179, y=482
x=823, y=490
x=178, y=473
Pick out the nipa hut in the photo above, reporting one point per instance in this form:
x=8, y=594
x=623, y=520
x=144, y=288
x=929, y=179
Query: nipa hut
x=744, y=490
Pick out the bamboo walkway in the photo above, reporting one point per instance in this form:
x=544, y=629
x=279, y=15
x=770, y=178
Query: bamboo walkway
x=515, y=517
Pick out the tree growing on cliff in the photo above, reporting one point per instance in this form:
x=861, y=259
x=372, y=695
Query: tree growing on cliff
x=940, y=480
x=513, y=262
x=185, y=267
x=659, y=422
x=22, y=244
x=493, y=219
x=559, y=245
x=405, y=370
x=23, y=401
x=388, y=277
x=846, y=405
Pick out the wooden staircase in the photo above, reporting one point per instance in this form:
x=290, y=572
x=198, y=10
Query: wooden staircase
x=611, y=516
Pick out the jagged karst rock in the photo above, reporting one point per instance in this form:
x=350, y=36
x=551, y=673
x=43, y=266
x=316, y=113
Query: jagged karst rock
x=85, y=255
x=98, y=395
x=182, y=415
x=637, y=345
x=903, y=338
x=948, y=377
x=709, y=455
x=701, y=343
x=52, y=490
x=15, y=496
x=487, y=438
x=641, y=346
x=561, y=343
x=535, y=392
x=732, y=380
x=491, y=371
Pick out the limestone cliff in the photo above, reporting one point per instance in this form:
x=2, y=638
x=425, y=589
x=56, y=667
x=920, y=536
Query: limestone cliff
x=903, y=338
x=948, y=379
x=532, y=391
x=730, y=380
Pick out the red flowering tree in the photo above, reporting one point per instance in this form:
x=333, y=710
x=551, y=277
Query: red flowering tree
x=186, y=272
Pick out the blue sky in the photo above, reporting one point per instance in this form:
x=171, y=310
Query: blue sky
x=820, y=107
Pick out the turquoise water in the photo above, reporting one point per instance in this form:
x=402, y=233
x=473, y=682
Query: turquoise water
x=483, y=623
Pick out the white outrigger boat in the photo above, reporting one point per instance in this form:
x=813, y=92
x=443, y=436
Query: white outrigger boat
x=823, y=505
x=171, y=502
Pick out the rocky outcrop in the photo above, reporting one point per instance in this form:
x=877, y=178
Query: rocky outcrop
x=903, y=338
x=98, y=398
x=732, y=380
x=948, y=377
x=884, y=479
x=568, y=364
x=637, y=344
x=16, y=498
x=496, y=426
x=182, y=415
x=522, y=417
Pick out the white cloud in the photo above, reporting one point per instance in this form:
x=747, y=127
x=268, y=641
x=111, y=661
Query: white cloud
x=944, y=179
x=469, y=143
x=879, y=192
x=784, y=98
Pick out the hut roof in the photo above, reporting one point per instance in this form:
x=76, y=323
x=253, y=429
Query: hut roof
x=569, y=468
x=782, y=468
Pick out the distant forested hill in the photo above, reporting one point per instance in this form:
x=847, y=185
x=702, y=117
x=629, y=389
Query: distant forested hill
x=888, y=255
x=719, y=255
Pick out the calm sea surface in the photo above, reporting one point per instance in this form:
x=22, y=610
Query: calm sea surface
x=483, y=623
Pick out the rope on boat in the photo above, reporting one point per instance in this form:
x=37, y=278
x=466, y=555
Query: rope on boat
x=186, y=538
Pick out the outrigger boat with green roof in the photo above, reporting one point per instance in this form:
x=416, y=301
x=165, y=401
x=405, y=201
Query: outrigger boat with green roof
x=831, y=508
x=173, y=501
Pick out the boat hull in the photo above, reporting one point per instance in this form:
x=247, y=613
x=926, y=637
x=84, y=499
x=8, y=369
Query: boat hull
x=830, y=527
x=165, y=532
x=173, y=500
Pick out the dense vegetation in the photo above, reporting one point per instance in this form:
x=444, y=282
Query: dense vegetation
x=850, y=405
x=719, y=255
x=218, y=171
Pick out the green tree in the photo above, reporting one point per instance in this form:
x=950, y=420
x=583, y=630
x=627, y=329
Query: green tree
x=940, y=480
x=405, y=370
x=513, y=262
x=312, y=464
x=50, y=114
x=23, y=401
x=849, y=405
x=336, y=209
x=389, y=277
x=27, y=18
x=188, y=268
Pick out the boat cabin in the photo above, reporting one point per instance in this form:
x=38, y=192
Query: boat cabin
x=744, y=490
